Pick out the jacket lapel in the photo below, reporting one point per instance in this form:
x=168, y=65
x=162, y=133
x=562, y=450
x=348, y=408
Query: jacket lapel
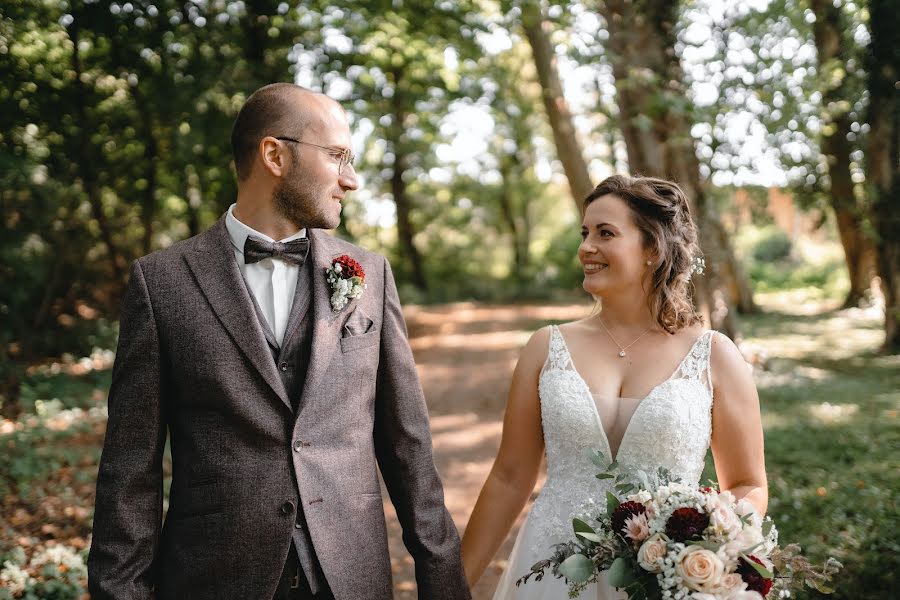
x=218, y=275
x=326, y=327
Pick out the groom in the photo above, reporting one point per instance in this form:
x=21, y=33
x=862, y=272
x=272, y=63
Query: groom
x=278, y=400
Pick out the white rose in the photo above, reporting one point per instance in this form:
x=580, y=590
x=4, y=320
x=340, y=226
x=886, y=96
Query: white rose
x=732, y=582
x=745, y=509
x=651, y=553
x=700, y=568
x=724, y=519
x=642, y=496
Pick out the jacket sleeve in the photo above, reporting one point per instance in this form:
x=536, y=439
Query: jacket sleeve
x=404, y=451
x=128, y=511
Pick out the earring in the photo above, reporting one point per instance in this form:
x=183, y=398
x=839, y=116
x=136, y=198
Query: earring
x=649, y=262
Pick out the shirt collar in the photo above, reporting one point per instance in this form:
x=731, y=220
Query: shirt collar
x=239, y=231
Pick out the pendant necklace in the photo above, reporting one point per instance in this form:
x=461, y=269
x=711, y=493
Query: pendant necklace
x=621, y=348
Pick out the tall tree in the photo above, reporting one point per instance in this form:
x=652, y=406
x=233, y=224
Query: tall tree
x=655, y=117
x=401, y=63
x=833, y=57
x=883, y=160
x=568, y=148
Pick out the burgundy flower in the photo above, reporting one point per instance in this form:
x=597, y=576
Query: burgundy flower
x=625, y=511
x=349, y=267
x=755, y=582
x=686, y=524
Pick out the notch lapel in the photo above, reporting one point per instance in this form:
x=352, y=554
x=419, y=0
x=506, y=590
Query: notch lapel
x=219, y=277
x=326, y=327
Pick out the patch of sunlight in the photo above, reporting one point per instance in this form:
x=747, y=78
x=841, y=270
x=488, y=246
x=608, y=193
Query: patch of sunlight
x=796, y=376
x=497, y=340
x=828, y=414
x=797, y=301
x=773, y=421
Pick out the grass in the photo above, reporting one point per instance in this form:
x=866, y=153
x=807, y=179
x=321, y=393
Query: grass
x=830, y=412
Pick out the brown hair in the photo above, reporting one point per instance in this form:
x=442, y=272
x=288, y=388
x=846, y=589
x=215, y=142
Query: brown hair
x=660, y=210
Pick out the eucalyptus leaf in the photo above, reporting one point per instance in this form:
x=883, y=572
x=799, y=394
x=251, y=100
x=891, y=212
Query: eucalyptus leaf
x=620, y=574
x=578, y=568
x=604, y=476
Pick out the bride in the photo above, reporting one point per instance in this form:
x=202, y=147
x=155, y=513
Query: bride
x=640, y=379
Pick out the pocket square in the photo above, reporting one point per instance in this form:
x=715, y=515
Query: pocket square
x=357, y=324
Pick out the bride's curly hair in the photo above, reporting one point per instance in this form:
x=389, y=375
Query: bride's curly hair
x=660, y=210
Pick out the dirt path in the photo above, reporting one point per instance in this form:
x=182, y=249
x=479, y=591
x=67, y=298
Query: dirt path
x=466, y=355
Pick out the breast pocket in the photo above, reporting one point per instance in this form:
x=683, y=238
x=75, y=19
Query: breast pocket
x=358, y=342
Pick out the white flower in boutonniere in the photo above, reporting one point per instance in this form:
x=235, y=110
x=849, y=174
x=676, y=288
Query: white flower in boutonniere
x=347, y=280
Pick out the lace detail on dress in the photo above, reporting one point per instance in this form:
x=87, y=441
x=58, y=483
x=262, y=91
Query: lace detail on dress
x=670, y=428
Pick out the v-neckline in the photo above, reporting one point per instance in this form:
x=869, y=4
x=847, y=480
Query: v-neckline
x=640, y=404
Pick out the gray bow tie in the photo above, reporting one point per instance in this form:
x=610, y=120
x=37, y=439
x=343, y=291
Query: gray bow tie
x=294, y=251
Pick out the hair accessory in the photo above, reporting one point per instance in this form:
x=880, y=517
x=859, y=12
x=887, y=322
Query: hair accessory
x=698, y=265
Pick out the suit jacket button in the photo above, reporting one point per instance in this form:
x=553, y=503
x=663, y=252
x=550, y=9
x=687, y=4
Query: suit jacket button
x=298, y=444
x=283, y=366
x=287, y=508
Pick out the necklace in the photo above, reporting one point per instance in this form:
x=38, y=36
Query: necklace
x=622, y=349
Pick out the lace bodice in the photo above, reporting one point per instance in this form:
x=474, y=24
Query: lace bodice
x=671, y=428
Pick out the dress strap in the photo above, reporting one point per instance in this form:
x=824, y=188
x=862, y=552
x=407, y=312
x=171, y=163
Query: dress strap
x=557, y=355
x=696, y=364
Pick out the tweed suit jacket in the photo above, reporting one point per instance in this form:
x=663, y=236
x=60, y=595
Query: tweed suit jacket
x=192, y=361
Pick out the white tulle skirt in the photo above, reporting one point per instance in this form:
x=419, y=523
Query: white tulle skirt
x=523, y=558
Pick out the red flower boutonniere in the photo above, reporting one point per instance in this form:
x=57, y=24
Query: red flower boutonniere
x=347, y=280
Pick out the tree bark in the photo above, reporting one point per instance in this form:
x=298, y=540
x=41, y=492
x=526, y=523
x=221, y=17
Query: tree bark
x=151, y=152
x=564, y=136
x=405, y=231
x=513, y=223
x=832, y=54
x=654, y=114
x=883, y=159
x=88, y=172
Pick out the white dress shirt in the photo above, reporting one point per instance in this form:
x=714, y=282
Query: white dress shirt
x=272, y=281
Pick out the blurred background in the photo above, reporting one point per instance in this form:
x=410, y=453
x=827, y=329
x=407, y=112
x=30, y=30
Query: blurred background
x=480, y=125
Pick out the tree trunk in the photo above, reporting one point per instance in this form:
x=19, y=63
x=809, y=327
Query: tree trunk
x=88, y=173
x=654, y=117
x=883, y=158
x=832, y=57
x=513, y=223
x=151, y=153
x=567, y=147
x=405, y=231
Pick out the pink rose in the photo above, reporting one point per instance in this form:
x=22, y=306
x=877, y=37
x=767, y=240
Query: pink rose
x=651, y=553
x=700, y=569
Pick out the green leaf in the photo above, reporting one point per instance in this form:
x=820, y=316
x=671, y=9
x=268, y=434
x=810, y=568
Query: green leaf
x=767, y=527
x=578, y=568
x=604, y=476
x=620, y=573
x=612, y=503
x=585, y=531
x=764, y=572
x=707, y=545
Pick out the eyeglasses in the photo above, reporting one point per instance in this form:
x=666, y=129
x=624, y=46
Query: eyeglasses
x=344, y=156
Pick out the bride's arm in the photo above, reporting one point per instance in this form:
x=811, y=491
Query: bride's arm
x=737, y=436
x=516, y=467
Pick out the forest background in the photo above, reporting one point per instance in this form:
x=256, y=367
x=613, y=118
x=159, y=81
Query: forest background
x=480, y=126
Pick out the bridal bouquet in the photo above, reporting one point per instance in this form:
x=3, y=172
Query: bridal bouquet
x=665, y=539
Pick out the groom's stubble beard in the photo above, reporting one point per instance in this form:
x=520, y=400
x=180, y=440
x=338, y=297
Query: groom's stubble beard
x=301, y=202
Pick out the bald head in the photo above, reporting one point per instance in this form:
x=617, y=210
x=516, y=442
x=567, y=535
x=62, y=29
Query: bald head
x=274, y=110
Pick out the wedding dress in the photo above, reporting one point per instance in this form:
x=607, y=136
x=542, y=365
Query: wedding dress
x=669, y=428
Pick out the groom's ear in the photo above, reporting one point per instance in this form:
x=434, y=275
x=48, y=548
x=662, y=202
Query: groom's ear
x=272, y=154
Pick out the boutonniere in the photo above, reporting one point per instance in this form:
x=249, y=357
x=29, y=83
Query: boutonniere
x=347, y=280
